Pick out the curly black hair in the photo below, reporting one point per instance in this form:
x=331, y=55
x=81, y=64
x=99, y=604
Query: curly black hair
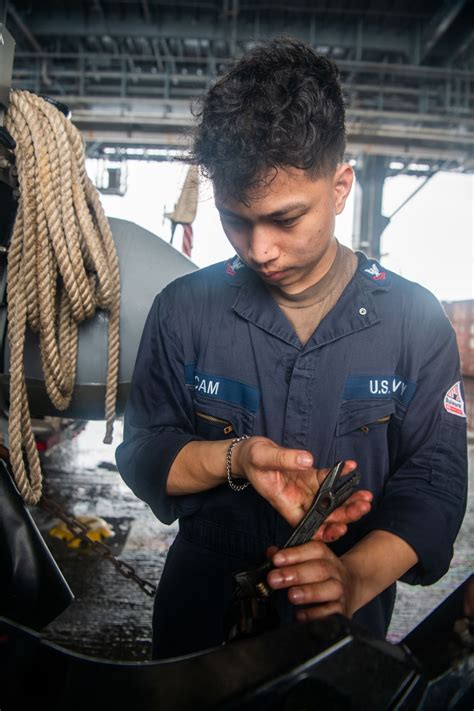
x=279, y=106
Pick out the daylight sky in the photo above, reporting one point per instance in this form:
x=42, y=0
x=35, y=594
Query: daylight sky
x=429, y=241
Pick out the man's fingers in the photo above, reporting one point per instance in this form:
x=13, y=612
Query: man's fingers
x=313, y=550
x=356, y=506
x=302, y=574
x=335, y=526
x=329, y=590
x=265, y=455
x=360, y=495
x=351, y=511
x=349, y=466
x=355, y=510
x=328, y=533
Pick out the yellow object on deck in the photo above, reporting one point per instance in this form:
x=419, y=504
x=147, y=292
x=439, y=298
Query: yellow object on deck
x=97, y=527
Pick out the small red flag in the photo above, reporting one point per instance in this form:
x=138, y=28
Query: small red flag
x=187, y=239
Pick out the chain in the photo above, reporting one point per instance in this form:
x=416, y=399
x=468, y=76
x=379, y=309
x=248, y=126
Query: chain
x=79, y=530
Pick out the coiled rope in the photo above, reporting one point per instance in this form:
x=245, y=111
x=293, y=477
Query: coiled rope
x=62, y=266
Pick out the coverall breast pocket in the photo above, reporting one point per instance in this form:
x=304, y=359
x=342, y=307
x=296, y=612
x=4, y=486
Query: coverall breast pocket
x=217, y=420
x=362, y=432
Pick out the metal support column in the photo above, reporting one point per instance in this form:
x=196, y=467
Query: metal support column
x=369, y=222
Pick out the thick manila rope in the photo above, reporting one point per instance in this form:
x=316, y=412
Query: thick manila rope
x=62, y=266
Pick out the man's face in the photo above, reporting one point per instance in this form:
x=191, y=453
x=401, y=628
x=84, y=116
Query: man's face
x=285, y=231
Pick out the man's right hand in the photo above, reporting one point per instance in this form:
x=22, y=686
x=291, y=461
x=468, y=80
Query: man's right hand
x=284, y=477
x=287, y=479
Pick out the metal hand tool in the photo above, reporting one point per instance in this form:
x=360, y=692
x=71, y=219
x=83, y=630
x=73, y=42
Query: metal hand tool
x=249, y=613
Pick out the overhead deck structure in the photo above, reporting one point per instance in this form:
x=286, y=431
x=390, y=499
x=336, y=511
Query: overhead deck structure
x=130, y=69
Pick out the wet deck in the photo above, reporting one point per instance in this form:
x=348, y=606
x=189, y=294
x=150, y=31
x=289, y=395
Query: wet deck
x=111, y=616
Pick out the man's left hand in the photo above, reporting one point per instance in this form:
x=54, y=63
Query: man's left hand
x=335, y=526
x=314, y=576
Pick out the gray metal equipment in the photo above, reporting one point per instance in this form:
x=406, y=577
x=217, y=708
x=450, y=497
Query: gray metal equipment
x=147, y=265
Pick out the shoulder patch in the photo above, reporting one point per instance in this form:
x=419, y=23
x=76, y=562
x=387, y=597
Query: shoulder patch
x=233, y=265
x=454, y=402
x=375, y=272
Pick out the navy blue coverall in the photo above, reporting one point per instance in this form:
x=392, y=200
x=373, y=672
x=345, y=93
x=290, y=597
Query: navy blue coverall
x=377, y=382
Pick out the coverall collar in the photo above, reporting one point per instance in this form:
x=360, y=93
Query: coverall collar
x=354, y=311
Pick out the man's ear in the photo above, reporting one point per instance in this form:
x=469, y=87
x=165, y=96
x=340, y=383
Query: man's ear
x=342, y=184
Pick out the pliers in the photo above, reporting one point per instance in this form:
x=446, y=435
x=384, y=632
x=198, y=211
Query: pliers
x=252, y=587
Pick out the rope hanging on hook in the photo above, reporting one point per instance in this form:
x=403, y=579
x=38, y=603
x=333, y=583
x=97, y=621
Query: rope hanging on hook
x=62, y=266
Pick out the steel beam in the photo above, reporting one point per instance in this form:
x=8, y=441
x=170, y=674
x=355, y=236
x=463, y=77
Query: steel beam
x=439, y=25
x=420, y=137
x=381, y=70
x=463, y=46
x=388, y=91
x=24, y=29
x=369, y=222
x=70, y=25
x=146, y=11
x=411, y=196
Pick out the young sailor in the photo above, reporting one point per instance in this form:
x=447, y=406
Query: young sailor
x=293, y=355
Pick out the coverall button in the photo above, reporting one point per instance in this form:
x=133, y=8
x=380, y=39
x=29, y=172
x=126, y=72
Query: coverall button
x=362, y=311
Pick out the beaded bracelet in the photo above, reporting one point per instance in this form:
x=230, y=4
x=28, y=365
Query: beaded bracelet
x=228, y=465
